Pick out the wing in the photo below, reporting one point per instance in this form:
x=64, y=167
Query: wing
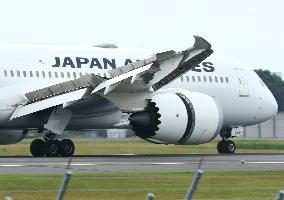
x=157, y=71
x=141, y=77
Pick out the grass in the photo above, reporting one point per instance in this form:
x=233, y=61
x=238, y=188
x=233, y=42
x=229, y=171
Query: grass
x=138, y=146
x=266, y=144
x=165, y=185
x=121, y=186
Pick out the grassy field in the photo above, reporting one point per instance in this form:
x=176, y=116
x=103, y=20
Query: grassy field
x=138, y=146
x=125, y=186
x=122, y=186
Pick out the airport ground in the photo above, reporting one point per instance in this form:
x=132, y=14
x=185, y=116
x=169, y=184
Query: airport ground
x=87, y=146
x=99, y=172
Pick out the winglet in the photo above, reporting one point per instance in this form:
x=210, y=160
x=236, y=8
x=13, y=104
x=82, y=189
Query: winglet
x=201, y=43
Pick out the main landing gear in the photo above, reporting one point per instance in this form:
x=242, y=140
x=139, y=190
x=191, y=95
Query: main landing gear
x=226, y=146
x=51, y=147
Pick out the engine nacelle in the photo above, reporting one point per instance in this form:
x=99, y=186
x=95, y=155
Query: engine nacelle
x=12, y=136
x=179, y=117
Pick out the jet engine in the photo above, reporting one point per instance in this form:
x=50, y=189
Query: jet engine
x=179, y=117
x=12, y=136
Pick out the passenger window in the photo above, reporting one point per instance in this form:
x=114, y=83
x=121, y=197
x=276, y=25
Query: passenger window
x=56, y=75
x=49, y=74
x=12, y=73
x=25, y=73
x=5, y=73
x=37, y=74
x=62, y=75
x=187, y=78
x=227, y=80
x=216, y=79
x=68, y=75
x=204, y=78
x=31, y=74
x=210, y=79
x=199, y=79
x=18, y=73
x=221, y=79
x=193, y=78
x=74, y=75
x=43, y=74
x=181, y=78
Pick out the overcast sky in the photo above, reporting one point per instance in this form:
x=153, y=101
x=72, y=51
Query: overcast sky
x=250, y=31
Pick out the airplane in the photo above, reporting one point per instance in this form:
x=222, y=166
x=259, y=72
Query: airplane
x=183, y=98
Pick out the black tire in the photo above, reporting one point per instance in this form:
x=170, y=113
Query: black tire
x=226, y=147
x=67, y=148
x=230, y=146
x=37, y=148
x=220, y=146
x=52, y=148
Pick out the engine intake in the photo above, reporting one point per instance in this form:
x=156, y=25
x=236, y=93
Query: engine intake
x=179, y=117
x=145, y=123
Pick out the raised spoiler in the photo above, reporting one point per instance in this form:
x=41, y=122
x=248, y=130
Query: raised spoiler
x=155, y=72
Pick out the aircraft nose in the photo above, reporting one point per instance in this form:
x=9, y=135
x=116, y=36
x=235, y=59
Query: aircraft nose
x=271, y=106
x=274, y=106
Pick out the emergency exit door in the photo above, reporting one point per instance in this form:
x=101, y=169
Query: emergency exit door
x=243, y=83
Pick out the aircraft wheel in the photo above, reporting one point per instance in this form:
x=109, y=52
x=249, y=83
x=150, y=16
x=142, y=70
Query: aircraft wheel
x=220, y=146
x=230, y=146
x=226, y=146
x=37, y=147
x=52, y=148
x=67, y=148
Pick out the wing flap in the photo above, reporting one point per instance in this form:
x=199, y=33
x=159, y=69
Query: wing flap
x=33, y=107
x=89, y=80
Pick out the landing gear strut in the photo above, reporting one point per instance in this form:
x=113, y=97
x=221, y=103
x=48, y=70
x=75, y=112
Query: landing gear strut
x=51, y=147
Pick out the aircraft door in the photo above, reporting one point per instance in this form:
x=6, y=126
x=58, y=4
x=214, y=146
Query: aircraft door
x=243, y=83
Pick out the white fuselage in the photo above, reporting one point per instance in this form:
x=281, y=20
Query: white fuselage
x=242, y=96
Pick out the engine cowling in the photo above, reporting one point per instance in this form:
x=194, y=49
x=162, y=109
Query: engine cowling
x=179, y=117
x=12, y=136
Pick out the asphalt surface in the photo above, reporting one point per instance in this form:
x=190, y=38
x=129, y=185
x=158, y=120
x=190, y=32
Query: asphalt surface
x=143, y=163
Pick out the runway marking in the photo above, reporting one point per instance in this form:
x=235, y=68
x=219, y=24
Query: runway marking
x=7, y=165
x=139, y=163
x=265, y=162
x=82, y=164
x=90, y=164
x=167, y=163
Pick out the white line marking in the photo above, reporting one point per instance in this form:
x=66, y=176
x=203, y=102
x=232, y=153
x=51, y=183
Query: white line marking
x=166, y=163
x=266, y=162
x=137, y=163
x=7, y=165
x=82, y=164
x=58, y=164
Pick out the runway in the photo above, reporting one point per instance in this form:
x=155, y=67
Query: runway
x=143, y=163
